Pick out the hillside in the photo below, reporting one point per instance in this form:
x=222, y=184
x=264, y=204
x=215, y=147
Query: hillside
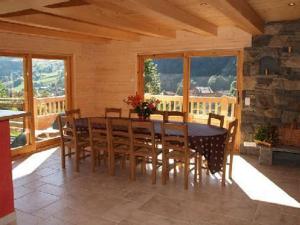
x=48, y=77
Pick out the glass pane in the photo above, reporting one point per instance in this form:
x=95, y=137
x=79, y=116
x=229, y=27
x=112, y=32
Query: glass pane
x=212, y=87
x=163, y=80
x=12, y=97
x=49, y=96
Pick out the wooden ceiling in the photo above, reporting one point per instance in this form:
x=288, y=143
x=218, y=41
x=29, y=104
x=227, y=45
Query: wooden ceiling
x=128, y=20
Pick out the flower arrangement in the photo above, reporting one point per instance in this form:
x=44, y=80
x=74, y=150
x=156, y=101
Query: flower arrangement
x=143, y=108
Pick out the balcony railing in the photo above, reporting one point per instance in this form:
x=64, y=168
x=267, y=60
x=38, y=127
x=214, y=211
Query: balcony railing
x=45, y=110
x=199, y=106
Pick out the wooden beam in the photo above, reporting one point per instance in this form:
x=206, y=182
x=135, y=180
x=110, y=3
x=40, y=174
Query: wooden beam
x=10, y=6
x=241, y=13
x=167, y=11
x=99, y=16
x=62, y=24
x=48, y=33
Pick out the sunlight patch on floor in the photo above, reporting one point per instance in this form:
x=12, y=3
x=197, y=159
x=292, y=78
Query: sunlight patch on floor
x=259, y=187
x=30, y=164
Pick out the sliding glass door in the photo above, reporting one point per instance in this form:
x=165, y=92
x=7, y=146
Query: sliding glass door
x=49, y=93
x=39, y=85
x=13, y=97
x=212, y=87
x=163, y=80
x=197, y=83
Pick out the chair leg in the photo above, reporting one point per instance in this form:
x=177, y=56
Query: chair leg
x=199, y=164
x=77, y=158
x=224, y=171
x=154, y=162
x=164, y=169
x=196, y=168
x=133, y=167
x=230, y=165
x=175, y=168
x=143, y=166
x=186, y=173
x=63, y=159
x=112, y=163
x=94, y=158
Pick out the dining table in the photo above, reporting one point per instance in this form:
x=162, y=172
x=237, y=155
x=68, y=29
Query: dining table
x=207, y=140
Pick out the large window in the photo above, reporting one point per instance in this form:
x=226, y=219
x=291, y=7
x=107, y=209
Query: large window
x=39, y=86
x=49, y=96
x=163, y=80
x=12, y=96
x=196, y=84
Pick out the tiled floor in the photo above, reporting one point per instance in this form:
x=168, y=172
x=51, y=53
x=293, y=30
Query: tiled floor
x=47, y=195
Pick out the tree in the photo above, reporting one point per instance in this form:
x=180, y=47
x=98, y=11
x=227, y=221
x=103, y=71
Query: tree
x=3, y=91
x=152, y=78
x=233, y=89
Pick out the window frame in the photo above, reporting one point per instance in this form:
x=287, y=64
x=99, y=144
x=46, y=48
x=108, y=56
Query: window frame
x=32, y=145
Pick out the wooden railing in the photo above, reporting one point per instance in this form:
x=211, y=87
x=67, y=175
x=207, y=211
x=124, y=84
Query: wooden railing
x=45, y=110
x=49, y=105
x=199, y=107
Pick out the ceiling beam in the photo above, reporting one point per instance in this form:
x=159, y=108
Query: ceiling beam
x=99, y=16
x=167, y=11
x=11, y=6
x=241, y=13
x=16, y=28
x=62, y=24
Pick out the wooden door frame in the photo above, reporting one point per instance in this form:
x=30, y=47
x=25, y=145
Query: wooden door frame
x=32, y=145
x=186, y=56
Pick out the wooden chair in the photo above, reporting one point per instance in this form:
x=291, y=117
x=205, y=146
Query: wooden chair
x=176, y=114
x=99, y=141
x=119, y=134
x=113, y=112
x=160, y=114
x=229, y=148
x=175, y=146
x=71, y=139
x=75, y=113
x=220, y=118
x=143, y=146
x=132, y=114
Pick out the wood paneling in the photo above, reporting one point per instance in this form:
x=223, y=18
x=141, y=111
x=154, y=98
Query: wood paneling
x=276, y=10
x=48, y=33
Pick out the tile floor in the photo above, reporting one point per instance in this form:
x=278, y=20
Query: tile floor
x=47, y=195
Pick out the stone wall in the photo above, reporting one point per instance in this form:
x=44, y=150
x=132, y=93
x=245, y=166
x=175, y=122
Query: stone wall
x=272, y=78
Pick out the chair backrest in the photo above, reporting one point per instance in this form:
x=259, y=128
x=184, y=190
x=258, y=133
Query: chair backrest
x=67, y=128
x=173, y=115
x=119, y=131
x=231, y=134
x=98, y=131
x=75, y=113
x=175, y=136
x=158, y=115
x=143, y=135
x=113, y=112
x=132, y=114
x=220, y=118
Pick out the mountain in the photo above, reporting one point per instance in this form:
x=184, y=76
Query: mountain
x=200, y=66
